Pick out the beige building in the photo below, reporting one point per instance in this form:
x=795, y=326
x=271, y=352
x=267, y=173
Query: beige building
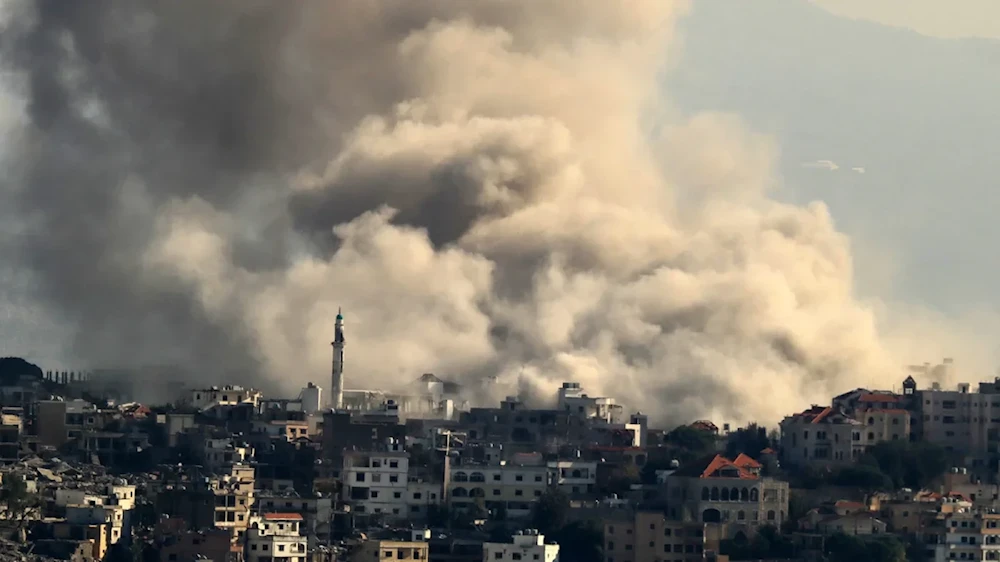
x=650, y=536
x=964, y=535
x=414, y=549
x=822, y=436
x=275, y=537
x=719, y=490
x=504, y=486
x=524, y=545
x=234, y=496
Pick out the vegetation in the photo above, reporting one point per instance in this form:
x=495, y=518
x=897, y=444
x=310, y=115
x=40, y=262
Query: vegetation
x=18, y=501
x=579, y=541
x=878, y=548
x=888, y=465
x=750, y=440
x=690, y=441
x=768, y=543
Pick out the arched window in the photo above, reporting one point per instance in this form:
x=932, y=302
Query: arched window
x=477, y=493
x=754, y=494
x=871, y=421
x=770, y=515
x=477, y=477
x=734, y=495
x=460, y=492
x=740, y=515
x=744, y=495
x=725, y=494
x=715, y=494
x=460, y=477
x=871, y=436
x=705, y=494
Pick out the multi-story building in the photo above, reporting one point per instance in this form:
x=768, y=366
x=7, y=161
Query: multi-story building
x=229, y=395
x=574, y=477
x=822, y=436
x=417, y=548
x=316, y=512
x=275, y=537
x=524, y=545
x=729, y=491
x=233, y=497
x=503, y=487
x=573, y=400
x=420, y=496
x=964, y=535
x=651, y=536
x=376, y=481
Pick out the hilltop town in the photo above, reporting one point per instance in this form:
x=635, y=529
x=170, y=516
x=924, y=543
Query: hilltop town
x=228, y=474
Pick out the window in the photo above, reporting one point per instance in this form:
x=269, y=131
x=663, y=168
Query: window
x=393, y=464
x=359, y=477
x=376, y=463
x=518, y=492
x=374, y=494
x=393, y=478
x=397, y=495
x=519, y=478
x=498, y=556
x=416, y=495
x=515, y=556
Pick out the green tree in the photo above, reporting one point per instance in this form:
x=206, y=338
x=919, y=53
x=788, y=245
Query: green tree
x=862, y=476
x=18, y=502
x=580, y=541
x=909, y=464
x=880, y=548
x=695, y=441
x=749, y=440
x=551, y=511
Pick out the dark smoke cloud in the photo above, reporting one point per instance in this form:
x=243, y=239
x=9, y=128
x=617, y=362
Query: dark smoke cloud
x=203, y=183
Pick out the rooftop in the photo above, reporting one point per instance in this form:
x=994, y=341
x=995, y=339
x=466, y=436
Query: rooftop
x=282, y=517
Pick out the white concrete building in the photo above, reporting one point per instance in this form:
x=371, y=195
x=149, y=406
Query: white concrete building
x=275, y=537
x=376, y=482
x=574, y=477
x=525, y=545
x=822, y=436
x=572, y=399
x=228, y=395
x=508, y=487
x=312, y=398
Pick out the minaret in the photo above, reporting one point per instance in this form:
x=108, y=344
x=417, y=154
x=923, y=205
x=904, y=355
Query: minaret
x=337, y=388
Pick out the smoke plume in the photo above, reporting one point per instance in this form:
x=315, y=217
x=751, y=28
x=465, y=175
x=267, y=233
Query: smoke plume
x=489, y=188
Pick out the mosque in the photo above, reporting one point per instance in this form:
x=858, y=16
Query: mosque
x=426, y=397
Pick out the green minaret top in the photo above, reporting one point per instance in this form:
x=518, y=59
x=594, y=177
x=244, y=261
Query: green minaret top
x=339, y=315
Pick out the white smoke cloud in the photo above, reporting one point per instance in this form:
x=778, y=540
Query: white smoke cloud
x=490, y=200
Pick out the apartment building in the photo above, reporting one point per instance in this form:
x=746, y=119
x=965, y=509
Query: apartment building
x=964, y=535
x=720, y=490
x=228, y=395
x=316, y=512
x=822, y=436
x=417, y=548
x=376, y=481
x=651, y=536
x=524, y=545
x=574, y=477
x=275, y=537
x=233, y=495
x=507, y=487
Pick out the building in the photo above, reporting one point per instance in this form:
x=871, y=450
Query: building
x=964, y=535
x=643, y=536
x=719, y=490
x=376, y=481
x=274, y=537
x=574, y=477
x=233, y=497
x=385, y=549
x=505, y=487
x=311, y=398
x=337, y=374
x=573, y=400
x=316, y=512
x=822, y=436
x=525, y=545
x=229, y=395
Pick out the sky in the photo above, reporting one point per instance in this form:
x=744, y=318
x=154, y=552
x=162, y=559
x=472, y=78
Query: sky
x=951, y=19
x=883, y=109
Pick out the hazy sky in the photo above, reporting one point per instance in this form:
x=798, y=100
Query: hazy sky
x=939, y=18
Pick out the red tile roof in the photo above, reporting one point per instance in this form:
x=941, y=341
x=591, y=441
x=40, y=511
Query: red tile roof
x=745, y=461
x=819, y=417
x=767, y=451
x=705, y=425
x=282, y=517
x=895, y=411
x=720, y=462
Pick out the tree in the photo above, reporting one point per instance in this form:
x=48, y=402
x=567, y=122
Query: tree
x=580, y=541
x=750, y=440
x=862, y=476
x=693, y=440
x=551, y=511
x=18, y=501
x=909, y=464
x=880, y=548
